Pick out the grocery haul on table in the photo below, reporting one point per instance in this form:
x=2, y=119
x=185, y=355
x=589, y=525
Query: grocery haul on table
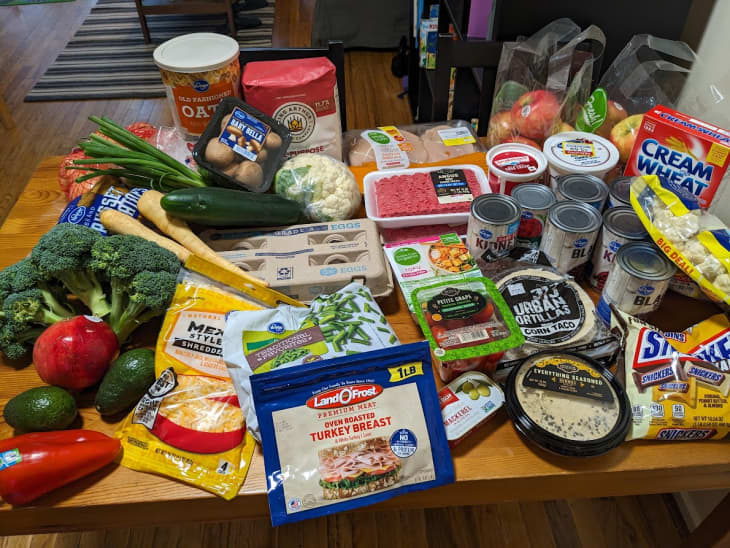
x=268, y=251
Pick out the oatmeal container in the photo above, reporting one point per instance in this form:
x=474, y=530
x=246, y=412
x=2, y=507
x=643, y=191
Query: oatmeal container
x=535, y=201
x=576, y=152
x=492, y=228
x=198, y=71
x=636, y=282
x=514, y=164
x=619, y=192
x=570, y=233
x=583, y=188
x=621, y=225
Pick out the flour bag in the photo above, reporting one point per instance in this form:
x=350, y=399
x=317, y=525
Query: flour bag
x=300, y=94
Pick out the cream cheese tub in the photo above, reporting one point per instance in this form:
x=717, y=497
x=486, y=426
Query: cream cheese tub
x=576, y=152
x=198, y=70
x=511, y=164
x=567, y=404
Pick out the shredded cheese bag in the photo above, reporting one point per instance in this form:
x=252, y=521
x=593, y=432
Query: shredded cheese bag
x=189, y=425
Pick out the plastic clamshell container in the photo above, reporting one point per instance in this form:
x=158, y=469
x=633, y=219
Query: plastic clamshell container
x=214, y=130
x=371, y=207
x=467, y=403
x=304, y=261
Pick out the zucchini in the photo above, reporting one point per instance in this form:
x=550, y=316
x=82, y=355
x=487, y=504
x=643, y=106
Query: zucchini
x=227, y=207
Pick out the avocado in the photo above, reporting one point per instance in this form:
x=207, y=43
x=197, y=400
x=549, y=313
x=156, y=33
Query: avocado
x=128, y=378
x=40, y=409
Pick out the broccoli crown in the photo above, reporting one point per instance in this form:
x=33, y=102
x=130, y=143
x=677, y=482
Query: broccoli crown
x=28, y=307
x=7, y=280
x=154, y=290
x=66, y=247
x=123, y=256
x=16, y=340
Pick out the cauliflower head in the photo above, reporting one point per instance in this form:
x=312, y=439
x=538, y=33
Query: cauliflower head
x=325, y=187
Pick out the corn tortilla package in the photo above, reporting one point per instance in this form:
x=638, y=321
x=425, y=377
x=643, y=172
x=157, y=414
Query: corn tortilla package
x=190, y=425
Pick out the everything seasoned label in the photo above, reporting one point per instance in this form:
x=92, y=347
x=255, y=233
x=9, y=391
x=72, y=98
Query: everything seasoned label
x=451, y=186
x=567, y=376
x=548, y=312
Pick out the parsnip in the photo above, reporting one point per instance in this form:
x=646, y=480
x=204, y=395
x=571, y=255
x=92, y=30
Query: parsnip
x=177, y=229
x=115, y=221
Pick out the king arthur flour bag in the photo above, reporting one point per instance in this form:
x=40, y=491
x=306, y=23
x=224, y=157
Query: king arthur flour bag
x=300, y=94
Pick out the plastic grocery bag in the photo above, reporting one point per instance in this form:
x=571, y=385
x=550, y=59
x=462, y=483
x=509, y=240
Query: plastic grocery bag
x=650, y=71
x=543, y=81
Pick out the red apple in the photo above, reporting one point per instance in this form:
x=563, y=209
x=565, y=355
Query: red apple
x=534, y=114
x=500, y=128
x=75, y=353
x=614, y=114
x=623, y=135
x=523, y=140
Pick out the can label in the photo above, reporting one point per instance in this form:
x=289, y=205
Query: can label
x=490, y=241
x=532, y=225
x=604, y=256
x=567, y=250
x=630, y=294
x=195, y=105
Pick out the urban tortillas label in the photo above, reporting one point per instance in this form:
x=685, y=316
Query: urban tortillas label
x=549, y=308
x=451, y=186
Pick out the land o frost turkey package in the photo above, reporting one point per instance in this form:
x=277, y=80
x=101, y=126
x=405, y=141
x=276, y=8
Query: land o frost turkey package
x=349, y=432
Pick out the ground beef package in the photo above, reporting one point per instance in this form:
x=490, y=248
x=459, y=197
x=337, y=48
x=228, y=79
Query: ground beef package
x=300, y=94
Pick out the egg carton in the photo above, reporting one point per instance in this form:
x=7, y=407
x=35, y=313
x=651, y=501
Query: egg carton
x=304, y=261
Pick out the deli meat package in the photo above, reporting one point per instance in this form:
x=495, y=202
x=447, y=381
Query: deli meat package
x=675, y=396
x=349, y=432
x=300, y=94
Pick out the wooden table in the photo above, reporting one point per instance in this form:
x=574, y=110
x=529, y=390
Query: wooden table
x=494, y=465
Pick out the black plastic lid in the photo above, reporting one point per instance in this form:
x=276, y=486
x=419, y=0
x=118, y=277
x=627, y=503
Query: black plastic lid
x=560, y=445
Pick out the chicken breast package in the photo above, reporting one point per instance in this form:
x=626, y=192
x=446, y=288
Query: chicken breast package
x=418, y=145
x=349, y=432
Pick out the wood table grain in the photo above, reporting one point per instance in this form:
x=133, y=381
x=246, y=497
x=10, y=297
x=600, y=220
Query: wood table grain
x=494, y=465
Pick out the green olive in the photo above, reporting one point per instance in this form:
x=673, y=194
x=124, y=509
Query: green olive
x=473, y=394
x=483, y=390
x=467, y=386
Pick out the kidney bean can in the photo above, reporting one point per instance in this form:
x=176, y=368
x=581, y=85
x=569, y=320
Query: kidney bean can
x=619, y=192
x=570, y=233
x=621, y=225
x=637, y=281
x=583, y=188
x=493, y=223
x=535, y=201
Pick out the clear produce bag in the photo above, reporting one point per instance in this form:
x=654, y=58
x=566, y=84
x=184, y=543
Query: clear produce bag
x=543, y=81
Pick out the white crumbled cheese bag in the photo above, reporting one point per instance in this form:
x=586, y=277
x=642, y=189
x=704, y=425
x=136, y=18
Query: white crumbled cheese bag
x=302, y=95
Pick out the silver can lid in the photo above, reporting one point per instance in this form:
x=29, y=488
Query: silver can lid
x=496, y=208
x=620, y=189
x=582, y=188
x=533, y=196
x=645, y=261
x=624, y=222
x=574, y=217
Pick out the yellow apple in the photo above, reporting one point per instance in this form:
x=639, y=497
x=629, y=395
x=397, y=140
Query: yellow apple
x=623, y=135
x=614, y=114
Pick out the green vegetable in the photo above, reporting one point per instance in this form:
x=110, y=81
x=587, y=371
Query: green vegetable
x=128, y=378
x=228, y=207
x=139, y=162
x=40, y=409
x=142, y=276
x=63, y=253
x=360, y=480
x=289, y=356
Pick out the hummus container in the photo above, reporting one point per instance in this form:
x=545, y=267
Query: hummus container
x=467, y=403
x=576, y=152
x=198, y=70
x=304, y=261
x=567, y=404
x=511, y=164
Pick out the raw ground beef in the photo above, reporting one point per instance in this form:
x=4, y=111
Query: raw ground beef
x=414, y=194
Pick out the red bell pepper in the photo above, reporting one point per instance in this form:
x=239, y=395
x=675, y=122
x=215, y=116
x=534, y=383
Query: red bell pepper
x=34, y=464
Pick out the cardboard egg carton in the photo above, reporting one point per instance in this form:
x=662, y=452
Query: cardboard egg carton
x=304, y=261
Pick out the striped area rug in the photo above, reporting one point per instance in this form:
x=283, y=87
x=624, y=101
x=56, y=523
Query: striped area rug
x=108, y=59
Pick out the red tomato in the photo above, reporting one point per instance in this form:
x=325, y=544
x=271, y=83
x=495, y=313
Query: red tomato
x=484, y=314
x=454, y=324
x=439, y=333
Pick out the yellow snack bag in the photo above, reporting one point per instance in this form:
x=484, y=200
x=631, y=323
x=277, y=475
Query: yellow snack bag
x=189, y=425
